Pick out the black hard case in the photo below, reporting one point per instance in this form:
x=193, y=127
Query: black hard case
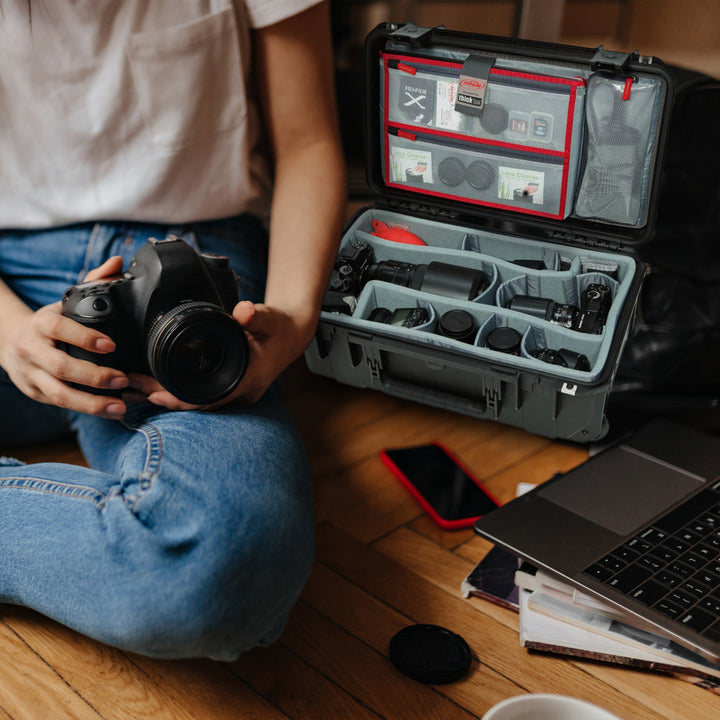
x=464, y=226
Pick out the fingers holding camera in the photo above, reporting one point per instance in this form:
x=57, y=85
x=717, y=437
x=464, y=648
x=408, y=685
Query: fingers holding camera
x=44, y=372
x=112, y=266
x=276, y=338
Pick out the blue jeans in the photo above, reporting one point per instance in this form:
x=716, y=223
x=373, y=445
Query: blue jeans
x=191, y=534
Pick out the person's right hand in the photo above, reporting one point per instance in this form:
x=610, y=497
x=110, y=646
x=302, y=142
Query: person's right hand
x=30, y=355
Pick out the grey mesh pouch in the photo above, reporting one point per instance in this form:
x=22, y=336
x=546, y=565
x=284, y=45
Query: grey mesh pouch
x=622, y=116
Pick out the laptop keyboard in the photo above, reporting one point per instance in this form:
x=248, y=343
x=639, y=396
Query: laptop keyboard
x=673, y=566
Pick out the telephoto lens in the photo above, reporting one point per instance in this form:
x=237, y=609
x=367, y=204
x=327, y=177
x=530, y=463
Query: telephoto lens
x=458, y=325
x=563, y=357
x=438, y=278
x=544, y=308
x=504, y=340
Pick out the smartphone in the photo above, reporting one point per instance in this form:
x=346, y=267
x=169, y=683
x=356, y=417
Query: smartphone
x=443, y=487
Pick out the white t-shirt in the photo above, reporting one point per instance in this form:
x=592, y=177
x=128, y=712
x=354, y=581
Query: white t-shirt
x=131, y=110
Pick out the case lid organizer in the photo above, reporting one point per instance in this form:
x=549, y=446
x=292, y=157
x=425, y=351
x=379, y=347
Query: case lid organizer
x=548, y=111
x=517, y=149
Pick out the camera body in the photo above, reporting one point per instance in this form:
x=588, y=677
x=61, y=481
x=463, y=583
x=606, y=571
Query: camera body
x=347, y=277
x=594, y=305
x=170, y=317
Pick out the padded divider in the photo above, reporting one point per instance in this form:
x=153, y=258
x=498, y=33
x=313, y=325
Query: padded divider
x=391, y=297
x=560, y=288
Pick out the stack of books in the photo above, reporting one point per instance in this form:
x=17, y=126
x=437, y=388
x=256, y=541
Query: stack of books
x=556, y=618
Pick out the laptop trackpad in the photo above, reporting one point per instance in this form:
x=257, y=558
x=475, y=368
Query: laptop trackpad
x=599, y=490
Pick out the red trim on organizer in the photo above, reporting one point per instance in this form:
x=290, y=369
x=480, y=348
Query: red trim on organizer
x=420, y=61
x=573, y=83
x=472, y=139
x=566, y=154
x=405, y=60
x=499, y=206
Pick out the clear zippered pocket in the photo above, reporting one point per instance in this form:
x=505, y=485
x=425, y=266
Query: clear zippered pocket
x=623, y=115
x=495, y=176
x=521, y=108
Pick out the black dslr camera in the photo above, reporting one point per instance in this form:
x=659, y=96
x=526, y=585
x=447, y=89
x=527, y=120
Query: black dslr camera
x=170, y=317
x=594, y=307
x=590, y=317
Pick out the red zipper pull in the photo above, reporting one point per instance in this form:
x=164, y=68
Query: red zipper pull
x=626, y=89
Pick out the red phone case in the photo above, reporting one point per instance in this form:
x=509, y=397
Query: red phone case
x=426, y=506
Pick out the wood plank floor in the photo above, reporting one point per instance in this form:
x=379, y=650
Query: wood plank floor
x=381, y=565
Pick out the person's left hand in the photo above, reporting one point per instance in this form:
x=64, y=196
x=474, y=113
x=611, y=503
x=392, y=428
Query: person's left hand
x=275, y=339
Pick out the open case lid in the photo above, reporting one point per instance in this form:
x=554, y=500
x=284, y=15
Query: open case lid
x=557, y=142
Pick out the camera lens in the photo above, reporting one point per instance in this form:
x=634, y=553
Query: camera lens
x=198, y=352
x=563, y=357
x=457, y=324
x=505, y=340
x=398, y=273
x=436, y=277
x=545, y=309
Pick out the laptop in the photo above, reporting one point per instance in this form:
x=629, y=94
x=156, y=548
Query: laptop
x=637, y=525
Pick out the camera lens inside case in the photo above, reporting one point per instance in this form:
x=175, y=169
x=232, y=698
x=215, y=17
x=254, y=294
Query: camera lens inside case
x=457, y=324
x=505, y=340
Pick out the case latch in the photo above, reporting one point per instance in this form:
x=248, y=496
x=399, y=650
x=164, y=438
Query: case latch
x=411, y=33
x=493, y=396
x=609, y=60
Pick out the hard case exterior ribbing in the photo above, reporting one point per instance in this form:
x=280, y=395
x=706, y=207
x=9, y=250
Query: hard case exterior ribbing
x=495, y=274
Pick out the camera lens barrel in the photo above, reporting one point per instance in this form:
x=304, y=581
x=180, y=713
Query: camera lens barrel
x=504, y=340
x=198, y=352
x=438, y=278
x=545, y=309
x=453, y=281
x=457, y=324
x=563, y=357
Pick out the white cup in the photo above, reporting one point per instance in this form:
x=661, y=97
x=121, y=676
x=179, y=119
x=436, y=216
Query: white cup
x=546, y=707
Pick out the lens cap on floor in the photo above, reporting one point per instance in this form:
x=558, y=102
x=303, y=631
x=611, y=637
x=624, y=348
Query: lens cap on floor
x=430, y=654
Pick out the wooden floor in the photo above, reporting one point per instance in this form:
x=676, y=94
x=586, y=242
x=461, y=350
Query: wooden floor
x=381, y=565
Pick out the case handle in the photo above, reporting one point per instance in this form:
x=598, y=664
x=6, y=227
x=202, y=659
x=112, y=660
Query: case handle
x=436, y=398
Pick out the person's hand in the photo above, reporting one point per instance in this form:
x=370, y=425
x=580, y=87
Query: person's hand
x=30, y=354
x=275, y=339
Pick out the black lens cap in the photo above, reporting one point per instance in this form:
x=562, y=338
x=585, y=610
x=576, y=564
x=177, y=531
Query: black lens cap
x=504, y=339
x=494, y=118
x=480, y=174
x=430, y=654
x=457, y=324
x=451, y=171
